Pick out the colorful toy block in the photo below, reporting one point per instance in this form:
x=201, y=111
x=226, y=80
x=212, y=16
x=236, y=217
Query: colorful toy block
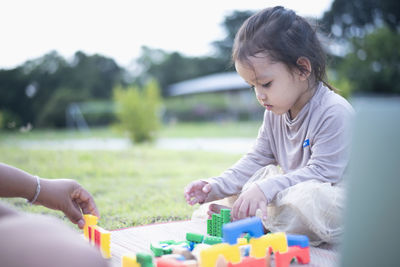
x=105, y=242
x=251, y=262
x=211, y=240
x=196, y=238
x=297, y=240
x=96, y=235
x=129, y=261
x=232, y=231
x=301, y=254
x=166, y=247
x=209, y=256
x=214, y=225
x=89, y=221
x=276, y=241
x=144, y=259
x=168, y=262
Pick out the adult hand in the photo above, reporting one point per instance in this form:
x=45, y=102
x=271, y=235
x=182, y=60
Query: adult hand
x=197, y=192
x=68, y=196
x=249, y=202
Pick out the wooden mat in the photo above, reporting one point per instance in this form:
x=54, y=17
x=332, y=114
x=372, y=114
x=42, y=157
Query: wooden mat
x=138, y=239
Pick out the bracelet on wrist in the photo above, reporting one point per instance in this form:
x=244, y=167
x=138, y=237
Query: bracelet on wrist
x=37, y=192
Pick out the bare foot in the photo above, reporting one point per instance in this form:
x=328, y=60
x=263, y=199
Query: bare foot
x=215, y=209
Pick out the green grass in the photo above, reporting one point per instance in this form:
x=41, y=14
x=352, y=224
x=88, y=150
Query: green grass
x=131, y=187
x=184, y=130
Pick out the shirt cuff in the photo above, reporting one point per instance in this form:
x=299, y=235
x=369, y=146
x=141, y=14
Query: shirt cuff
x=269, y=187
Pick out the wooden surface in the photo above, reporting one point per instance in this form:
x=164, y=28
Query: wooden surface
x=138, y=239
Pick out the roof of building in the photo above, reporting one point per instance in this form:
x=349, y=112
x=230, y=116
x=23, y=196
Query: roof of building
x=226, y=81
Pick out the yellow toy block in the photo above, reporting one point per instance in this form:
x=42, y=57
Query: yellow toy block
x=89, y=220
x=276, y=241
x=209, y=256
x=242, y=241
x=91, y=231
x=129, y=261
x=105, y=243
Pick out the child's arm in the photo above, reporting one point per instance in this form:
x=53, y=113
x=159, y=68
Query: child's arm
x=197, y=192
x=232, y=180
x=60, y=194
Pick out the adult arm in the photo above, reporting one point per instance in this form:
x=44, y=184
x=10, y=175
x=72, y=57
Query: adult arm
x=60, y=194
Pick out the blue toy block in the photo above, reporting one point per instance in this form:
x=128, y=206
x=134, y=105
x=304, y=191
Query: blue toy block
x=297, y=240
x=232, y=231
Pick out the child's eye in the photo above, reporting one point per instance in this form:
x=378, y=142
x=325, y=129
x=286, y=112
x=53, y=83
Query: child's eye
x=252, y=87
x=266, y=85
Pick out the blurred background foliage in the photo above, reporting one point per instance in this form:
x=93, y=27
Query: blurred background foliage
x=40, y=92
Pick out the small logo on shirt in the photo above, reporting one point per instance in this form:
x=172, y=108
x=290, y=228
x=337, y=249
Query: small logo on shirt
x=306, y=143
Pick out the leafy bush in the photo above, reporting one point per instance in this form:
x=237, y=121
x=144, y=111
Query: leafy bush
x=9, y=120
x=53, y=114
x=137, y=110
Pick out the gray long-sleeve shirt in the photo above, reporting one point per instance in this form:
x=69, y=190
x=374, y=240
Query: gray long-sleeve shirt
x=314, y=145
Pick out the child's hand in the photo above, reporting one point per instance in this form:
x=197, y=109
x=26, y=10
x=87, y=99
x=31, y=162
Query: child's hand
x=69, y=197
x=197, y=192
x=249, y=202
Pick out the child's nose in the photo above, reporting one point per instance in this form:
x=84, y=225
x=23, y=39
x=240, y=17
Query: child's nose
x=261, y=96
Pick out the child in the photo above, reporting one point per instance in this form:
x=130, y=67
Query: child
x=305, y=132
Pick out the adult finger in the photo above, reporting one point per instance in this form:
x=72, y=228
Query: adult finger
x=85, y=201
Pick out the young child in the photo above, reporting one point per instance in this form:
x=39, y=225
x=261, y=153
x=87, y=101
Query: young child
x=305, y=132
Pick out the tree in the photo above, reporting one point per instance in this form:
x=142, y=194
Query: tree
x=231, y=25
x=354, y=18
x=373, y=66
x=370, y=29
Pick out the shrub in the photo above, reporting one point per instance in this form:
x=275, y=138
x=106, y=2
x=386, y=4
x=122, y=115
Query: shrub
x=137, y=110
x=53, y=113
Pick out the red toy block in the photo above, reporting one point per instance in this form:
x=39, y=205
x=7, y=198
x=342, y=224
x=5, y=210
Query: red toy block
x=168, y=262
x=301, y=254
x=97, y=238
x=90, y=231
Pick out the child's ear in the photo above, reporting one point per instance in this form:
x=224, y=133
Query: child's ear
x=304, y=66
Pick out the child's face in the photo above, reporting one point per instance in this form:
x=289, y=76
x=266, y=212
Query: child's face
x=277, y=88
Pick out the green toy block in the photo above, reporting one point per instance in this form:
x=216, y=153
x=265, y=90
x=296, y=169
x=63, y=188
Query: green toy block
x=226, y=215
x=197, y=238
x=209, y=226
x=211, y=240
x=144, y=259
x=157, y=250
x=219, y=226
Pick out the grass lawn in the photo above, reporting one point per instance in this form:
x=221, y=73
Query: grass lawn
x=131, y=187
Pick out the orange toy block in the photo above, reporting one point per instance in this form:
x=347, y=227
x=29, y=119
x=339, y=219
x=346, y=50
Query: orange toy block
x=301, y=254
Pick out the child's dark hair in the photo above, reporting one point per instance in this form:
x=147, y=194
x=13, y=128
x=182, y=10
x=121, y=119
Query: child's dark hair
x=285, y=37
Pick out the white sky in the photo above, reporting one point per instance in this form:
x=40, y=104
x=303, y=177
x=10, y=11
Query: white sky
x=118, y=28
